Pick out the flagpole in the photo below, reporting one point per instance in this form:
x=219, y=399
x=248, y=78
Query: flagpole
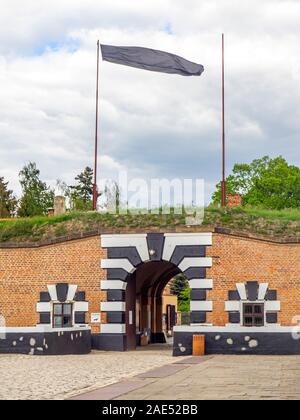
x=95, y=189
x=223, y=201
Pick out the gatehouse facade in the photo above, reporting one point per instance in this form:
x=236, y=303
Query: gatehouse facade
x=105, y=292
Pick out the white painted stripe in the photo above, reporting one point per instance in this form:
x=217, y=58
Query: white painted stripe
x=41, y=329
x=118, y=263
x=232, y=306
x=201, y=284
x=43, y=307
x=272, y=306
x=263, y=287
x=236, y=329
x=201, y=325
x=205, y=306
x=81, y=306
x=122, y=241
x=278, y=325
x=113, y=329
x=113, y=307
x=241, y=288
x=71, y=292
x=113, y=285
x=195, y=262
x=52, y=291
x=183, y=239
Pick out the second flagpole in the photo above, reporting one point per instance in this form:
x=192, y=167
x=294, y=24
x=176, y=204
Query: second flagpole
x=223, y=188
x=95, y=188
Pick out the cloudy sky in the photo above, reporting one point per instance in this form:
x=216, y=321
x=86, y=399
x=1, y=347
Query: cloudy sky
x=153, y=125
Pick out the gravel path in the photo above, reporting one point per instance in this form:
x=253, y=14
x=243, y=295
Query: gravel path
x=60, y=377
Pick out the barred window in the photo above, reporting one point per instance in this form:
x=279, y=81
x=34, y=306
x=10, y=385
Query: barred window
x=62, y=315
x=253, y=315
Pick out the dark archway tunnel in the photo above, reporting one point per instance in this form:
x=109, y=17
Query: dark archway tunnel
x=144, y=302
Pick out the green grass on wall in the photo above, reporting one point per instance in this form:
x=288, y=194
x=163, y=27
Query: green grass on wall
x=271, y=223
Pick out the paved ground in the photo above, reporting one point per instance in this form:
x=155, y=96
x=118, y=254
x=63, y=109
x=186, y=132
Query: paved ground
x=228, y=378
x=61, y=377
x=135, y=376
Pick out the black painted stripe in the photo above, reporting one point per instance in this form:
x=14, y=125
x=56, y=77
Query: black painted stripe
x=233, y=295
x=116, y=317
x=195, y=273
x=190, y=251
x=234, y=318
x=116, y=296
x=198, y=317
x=45, y=318
x=272, y=318
x=252, y=290
x=129, y=253
x=45, y=297
x=198, y=295
x=109, y=342
x=62, y=291
x=117, y=274
x=156, y=243
x=80, y=318
x=271, y=295
x=80, y=297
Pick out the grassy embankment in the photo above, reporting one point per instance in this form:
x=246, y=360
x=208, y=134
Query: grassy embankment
x=274, y=224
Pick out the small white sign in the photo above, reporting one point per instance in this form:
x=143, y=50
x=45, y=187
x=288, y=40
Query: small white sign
x=96, y=318
x=130, y=318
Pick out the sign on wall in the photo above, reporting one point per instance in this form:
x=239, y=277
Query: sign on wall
x=96, y=318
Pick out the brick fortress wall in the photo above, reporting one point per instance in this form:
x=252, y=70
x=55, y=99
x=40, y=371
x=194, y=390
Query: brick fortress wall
x=238, y=260
x=25, y=272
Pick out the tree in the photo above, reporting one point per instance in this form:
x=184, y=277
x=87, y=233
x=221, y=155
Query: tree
x=82, y=192
x=180, y=288
x=184, y=300
x=37, y=197
x=8, y=201
x=266, y=182
x=179, y=283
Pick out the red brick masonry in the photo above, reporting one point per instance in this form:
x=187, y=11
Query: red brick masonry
x=25, y=272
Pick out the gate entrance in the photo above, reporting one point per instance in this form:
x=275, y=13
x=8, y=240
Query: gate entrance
x=144, y=303
x=138, y=267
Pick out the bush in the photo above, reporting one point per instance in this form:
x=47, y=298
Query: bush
x=184, y=300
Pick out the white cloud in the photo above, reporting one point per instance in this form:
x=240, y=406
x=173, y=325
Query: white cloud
x=152, y=124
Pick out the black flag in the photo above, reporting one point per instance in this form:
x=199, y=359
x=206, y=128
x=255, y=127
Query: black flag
x=153, y=60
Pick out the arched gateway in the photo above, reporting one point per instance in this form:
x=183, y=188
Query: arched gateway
x=138, y=269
